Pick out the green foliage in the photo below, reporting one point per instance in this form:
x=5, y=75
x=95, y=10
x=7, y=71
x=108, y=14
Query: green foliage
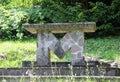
x=35, y=15
x=4, y=2
x=59, y=12
x=107, y=48
x=13, y=13
x=19, y=3
x=106, y=16
x=11, y=21
x=16, y=13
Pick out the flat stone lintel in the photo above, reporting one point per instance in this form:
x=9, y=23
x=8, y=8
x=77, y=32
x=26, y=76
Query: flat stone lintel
x=61, y=27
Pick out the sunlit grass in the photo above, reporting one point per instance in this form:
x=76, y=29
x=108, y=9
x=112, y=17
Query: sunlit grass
x=66, y=58
x=15, y=52
x=12, y=53
x=107, y=48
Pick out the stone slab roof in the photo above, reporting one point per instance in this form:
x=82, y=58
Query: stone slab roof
x=61, y=27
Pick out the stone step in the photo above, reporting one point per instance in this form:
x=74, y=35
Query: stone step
x=75, y=71
x=59, y=79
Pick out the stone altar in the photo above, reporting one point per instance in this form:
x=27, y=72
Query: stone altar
x=73, y=40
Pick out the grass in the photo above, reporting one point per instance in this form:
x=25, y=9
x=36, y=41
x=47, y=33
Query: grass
x=12, y=53
x=107, y=48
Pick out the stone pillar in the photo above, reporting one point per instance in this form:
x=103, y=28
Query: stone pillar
x=77, y=48
x=42, y=51
x=74, y=41
x=45, y=40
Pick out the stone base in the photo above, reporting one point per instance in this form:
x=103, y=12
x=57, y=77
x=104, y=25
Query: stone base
x=60, y=64
x=59, y=79
x=92, y=68
x=60, y=71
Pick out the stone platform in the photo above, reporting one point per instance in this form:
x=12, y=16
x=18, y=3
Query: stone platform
x=95, y=70
x=60, y=71
x=93, y=67
x=59, y=79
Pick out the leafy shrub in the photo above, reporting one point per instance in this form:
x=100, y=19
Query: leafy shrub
x=13, y=13
x=11, y=22
x=106, y=16
x=12, y=18
x=35, y=15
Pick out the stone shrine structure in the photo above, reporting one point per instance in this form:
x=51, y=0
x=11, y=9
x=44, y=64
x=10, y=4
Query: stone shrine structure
x=73, y=40
x=80, y=67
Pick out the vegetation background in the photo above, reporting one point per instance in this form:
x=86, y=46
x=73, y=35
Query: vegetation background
x=13, y=13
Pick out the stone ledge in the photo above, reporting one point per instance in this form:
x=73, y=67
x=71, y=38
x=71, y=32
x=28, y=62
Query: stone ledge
x=61, y=27
x=59, y=64
x=89, y=62
x=99, y=77
x=59, y=78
